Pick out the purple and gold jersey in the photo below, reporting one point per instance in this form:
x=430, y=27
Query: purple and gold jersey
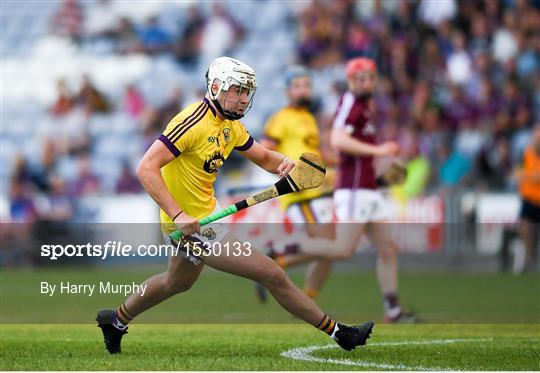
x=201, y=142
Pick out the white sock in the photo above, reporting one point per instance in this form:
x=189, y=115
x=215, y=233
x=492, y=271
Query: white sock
x=119, y=324
x=336, y=328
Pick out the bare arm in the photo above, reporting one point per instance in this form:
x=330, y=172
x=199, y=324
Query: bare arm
x=268, y=143
x=342, y=141
x=269, y=160
x=149, y=173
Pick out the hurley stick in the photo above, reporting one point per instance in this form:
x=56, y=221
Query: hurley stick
x=309, y=172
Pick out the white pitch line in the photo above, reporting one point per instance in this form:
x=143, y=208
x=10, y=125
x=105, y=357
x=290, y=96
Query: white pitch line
x=304, y=354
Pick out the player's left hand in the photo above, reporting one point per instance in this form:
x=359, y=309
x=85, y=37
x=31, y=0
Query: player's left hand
x=395, y=174
x=285, y=167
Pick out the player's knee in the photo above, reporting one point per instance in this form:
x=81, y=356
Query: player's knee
x=176, y=288
x=349, y=251
x=276, y=277
x=388, y=252
x=325, y=262
x=175, y=285
x=345, y=251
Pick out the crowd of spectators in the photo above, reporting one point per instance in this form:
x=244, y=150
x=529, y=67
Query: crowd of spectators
x=44, y=178
x=459, y=84
x=38, y=191
x=460, y=77
x=197, y=36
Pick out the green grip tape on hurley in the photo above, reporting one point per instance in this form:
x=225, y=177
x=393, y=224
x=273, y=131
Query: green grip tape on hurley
x=177, y=235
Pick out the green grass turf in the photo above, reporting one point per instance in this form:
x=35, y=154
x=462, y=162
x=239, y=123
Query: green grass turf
x=226, y=304
x=221, y=298
x=259, y=347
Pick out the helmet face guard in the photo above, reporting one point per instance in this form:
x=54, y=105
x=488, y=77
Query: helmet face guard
x=227, y=86
x=228, y=73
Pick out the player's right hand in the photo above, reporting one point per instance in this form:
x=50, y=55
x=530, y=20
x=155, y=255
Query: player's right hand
x=388, y=148
x=187, y=224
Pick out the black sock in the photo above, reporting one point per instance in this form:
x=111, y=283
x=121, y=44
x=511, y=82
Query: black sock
x=123, y=317
x=327, y=325
x=392, y=307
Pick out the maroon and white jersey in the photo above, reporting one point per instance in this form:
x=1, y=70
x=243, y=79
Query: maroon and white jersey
x=355, y=172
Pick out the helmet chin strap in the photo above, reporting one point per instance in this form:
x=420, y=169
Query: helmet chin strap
x=227, y=114
x=365, y=96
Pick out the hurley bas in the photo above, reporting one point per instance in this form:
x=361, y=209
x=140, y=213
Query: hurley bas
x=67, y=287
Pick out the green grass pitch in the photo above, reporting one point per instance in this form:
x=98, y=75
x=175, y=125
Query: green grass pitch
x=472, y=322
x=259, y=347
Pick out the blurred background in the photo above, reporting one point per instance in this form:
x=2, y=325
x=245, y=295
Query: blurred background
x=87, y=86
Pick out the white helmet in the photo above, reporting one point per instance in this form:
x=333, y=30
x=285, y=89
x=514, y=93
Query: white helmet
x=227, y=72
